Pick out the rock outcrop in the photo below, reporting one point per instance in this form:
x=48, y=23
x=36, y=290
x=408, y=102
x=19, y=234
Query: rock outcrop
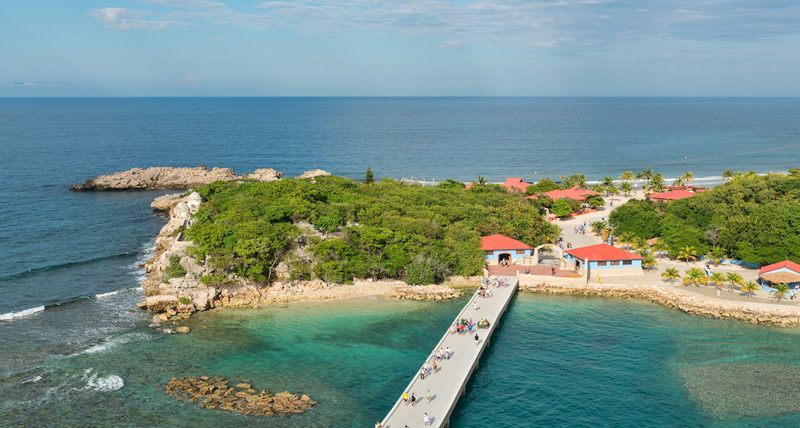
x=170, y=178
x=426, y=292
x=216, y=393
x=695, y=305
x=315, y=173
x=265, y=174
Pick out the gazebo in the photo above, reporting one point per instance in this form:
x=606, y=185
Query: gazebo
x=785, y=272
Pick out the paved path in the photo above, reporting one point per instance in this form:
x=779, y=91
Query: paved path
x=448, y=384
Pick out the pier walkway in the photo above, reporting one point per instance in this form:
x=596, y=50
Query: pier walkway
x=448, y=384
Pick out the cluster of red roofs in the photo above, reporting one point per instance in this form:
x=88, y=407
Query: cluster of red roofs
x=576, y=193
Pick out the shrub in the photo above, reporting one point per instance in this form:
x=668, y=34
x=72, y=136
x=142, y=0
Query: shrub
x=175, y=270
x=425, y=270
x=183, y=300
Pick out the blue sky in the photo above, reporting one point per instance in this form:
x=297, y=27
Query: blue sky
x=403, y=47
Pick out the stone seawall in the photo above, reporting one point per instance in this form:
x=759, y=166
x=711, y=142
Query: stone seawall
x=695, y=305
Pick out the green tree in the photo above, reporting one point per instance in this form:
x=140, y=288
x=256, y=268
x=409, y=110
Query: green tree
x=734, y=279
x=598, y=226
x=716, y=254
x=749, y=287
x=425, y=270
x=727, y=175
x=543, y=185
x=717, y=278
x=687, y=253
x=574, y=180
x=655, y=183
x=694, y=276
x=659, y=247
x=561, y=208
x=671, y=274
x=779, y=291
x=369, y=178
x=626, y=188
x=595, y=201
x=627, y=177
x=649, y=262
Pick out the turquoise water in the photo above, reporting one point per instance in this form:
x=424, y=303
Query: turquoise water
x=555, y=361
x=69, y=277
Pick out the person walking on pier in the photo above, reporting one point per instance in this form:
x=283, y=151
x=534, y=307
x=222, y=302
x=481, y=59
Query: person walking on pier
x=405, y=397
x=475, y=305
x=428, y=395
x=477, y=339
x=447, y=353
x=413, y=399
x=426, y=420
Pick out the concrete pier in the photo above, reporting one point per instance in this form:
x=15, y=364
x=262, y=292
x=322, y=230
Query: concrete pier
x=448, y=384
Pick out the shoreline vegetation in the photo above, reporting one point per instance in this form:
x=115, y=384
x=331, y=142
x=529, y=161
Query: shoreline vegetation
x=257, y=240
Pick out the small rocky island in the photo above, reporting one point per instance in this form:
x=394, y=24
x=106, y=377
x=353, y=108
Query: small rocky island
x=178, y=178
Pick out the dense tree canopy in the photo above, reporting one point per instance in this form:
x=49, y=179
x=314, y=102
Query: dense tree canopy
x=383, y=230
x=751, y=218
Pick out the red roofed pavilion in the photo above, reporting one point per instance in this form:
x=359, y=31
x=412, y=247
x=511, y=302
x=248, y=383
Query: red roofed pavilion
x=605, y=260
x=500, y=248
x=513, y=184
x=672, y=195
x=576, y=193
x=785, y=272
x=784, y=265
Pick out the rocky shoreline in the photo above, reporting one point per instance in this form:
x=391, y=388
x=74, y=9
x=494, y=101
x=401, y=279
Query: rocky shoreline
x=178, y=178
x=694, y=305
x=175, y=299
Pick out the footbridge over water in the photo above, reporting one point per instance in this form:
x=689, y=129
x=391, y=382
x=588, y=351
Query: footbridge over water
x=448, y=384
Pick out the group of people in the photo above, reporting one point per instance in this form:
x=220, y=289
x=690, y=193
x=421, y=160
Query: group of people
x=580, y=230
x=462, y=326
x=484, y=291
x=494, y=281
x=504, y=262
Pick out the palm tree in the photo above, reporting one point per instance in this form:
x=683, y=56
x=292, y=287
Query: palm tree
x=598, y=226
x=625, y=238
x=639, y=243
x=481, y=181
x=779, y=290
x=655, y=184
x=734, y=278
x=626, y=187
x=687, y=178
x=671, y=274
x=696, y=276
x=718, y=279
x=649, y=262
x=727, y=175
x=627, y=176
x=749, y=287
x=686, y=253
x=659, y=247
x=717, y=254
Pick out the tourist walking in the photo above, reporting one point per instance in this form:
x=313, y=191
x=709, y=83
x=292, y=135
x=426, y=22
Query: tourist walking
x=413, y=399
x=477, y=339
x=428, y=395
x=447, y=353
x=475, y=305
x=426, y=420
x=405, y=397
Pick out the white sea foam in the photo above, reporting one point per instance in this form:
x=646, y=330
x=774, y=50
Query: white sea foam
x=112, y=342
x=34, y=379
x=98, y=383
x=20, y=314
x=110, y=293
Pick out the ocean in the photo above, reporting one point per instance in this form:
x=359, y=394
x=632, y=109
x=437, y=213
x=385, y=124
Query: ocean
x=73, y=349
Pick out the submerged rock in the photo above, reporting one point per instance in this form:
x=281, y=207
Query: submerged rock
x=216, y=393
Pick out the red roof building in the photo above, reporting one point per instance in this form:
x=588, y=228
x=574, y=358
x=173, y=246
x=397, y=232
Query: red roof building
x=576, y=193
x=602, y=252
x=516, y=185
x=501, y=242
x=784, y=265
x=672, y=195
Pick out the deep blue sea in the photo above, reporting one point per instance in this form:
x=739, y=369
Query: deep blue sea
x=73, y=351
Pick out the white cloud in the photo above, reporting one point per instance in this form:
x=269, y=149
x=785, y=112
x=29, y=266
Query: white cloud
x=38, y=84
x=452, y=44
x=131, y=19
x=187, y=4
